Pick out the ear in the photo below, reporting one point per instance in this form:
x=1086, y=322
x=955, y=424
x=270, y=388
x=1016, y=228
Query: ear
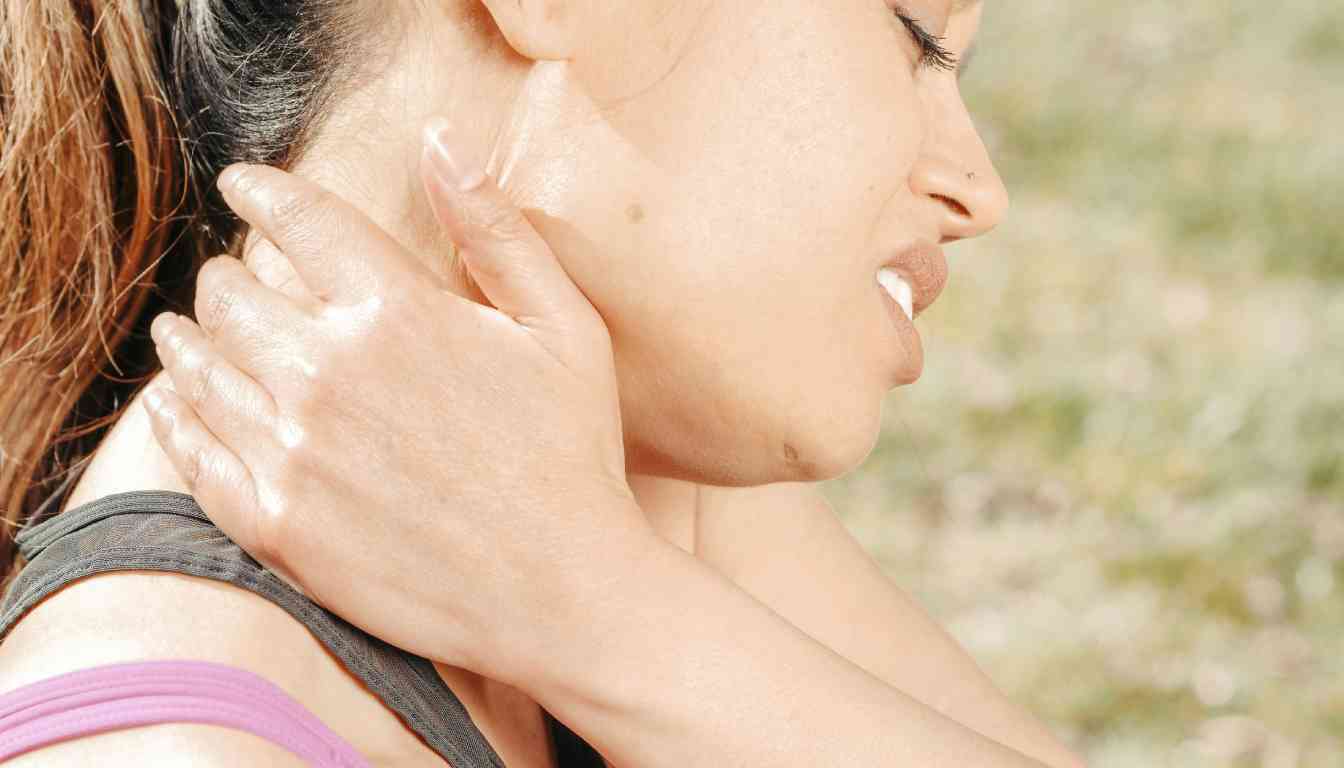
x=542, y=29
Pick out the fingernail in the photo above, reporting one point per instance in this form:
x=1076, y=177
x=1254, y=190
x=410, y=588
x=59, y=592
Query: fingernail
x=159, y=327
x=446, y=151
x=228, y=180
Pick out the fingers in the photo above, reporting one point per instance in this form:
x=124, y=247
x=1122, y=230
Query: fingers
x=234, y=407
x=215, y=425
x=274, y=271
x=340, y=254
x=513, y=265
x=252, y=323
x=216, y=477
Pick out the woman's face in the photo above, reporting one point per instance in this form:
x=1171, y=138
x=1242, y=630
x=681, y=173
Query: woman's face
x=745, y=170
x=723, y=179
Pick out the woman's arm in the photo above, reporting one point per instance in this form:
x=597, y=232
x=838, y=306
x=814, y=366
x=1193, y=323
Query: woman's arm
x=670, y=664
x=296, y=444
x=784, y=545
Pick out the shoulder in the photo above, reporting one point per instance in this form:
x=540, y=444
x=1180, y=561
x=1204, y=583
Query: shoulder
x=144, y=615
x=140, y=615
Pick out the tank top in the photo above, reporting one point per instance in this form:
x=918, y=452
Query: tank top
x=168, y=531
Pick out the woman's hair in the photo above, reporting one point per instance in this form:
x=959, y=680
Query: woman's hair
x=115, y=118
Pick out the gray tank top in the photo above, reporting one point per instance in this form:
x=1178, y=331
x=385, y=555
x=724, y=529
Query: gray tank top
x=168, y=531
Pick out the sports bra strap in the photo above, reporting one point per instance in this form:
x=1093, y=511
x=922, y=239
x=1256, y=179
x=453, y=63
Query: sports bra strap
x=167, y=531
x=129, y=695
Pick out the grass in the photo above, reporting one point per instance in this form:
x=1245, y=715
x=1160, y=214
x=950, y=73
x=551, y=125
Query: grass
x=1120, y=482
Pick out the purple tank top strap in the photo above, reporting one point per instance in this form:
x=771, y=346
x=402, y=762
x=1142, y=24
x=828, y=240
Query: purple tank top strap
x=119, y=696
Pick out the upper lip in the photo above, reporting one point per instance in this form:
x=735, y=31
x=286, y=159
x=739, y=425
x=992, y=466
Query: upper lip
x=923, y=265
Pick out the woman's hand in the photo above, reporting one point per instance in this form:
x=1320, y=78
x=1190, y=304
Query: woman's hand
x=434, y=470
x=450, y=478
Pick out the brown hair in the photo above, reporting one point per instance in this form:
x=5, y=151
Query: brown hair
x=115, y=117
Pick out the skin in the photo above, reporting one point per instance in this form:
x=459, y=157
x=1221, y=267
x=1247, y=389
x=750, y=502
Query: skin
x=794, y=392
x=731, y=443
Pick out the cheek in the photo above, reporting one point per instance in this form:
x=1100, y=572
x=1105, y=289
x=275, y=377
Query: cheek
x=751, y=356
x=742, y=306
x=766, y=395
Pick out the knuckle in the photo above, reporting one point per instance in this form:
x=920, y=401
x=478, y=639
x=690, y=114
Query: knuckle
x=219, y=308
x=216, y=296
x=292, y=208
x=290, y=433
x=303, y=216
x=493, y=222
x=203, y=383
x=272, y=530
x=310, y=370
x=193, y=465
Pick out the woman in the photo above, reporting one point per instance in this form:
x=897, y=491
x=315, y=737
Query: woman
x=626, y=566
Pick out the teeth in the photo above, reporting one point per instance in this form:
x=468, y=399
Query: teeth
x=898, y=289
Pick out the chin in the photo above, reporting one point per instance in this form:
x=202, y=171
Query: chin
x=829, y=440
x=830, y=449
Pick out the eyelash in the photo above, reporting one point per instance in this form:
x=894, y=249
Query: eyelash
x=932, y=53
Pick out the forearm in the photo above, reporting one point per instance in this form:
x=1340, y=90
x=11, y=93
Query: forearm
x=757, y=537
x=673, y=665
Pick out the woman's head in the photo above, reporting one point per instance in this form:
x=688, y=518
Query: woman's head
x=723, y=179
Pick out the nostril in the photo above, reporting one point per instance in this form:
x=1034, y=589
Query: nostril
x=956, y=206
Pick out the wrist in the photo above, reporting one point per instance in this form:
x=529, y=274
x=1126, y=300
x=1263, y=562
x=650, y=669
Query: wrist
x=584, y=592
x=603, y=662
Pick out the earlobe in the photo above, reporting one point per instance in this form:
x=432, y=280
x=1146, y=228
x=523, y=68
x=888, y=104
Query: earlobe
x=541, y=29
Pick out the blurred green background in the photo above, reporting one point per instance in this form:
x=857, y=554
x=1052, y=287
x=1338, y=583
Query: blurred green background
x=1120, y=482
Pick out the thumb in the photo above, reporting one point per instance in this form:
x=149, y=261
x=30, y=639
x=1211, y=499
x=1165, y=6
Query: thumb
x=510, y=261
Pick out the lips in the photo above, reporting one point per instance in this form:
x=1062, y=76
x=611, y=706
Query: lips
x=924, y=266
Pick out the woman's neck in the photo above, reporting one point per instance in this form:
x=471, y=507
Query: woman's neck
x=130, y=459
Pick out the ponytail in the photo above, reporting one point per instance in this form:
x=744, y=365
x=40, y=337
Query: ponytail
x=115, y=118
x=91, y=180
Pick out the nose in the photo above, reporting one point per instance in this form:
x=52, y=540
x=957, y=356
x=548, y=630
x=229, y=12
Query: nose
x=955, y=173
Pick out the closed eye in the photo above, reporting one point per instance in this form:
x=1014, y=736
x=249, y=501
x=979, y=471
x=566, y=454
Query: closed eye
x=932, y=52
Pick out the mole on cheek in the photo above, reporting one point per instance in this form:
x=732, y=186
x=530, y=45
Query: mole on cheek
x=790, y=453
x=635, y=212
